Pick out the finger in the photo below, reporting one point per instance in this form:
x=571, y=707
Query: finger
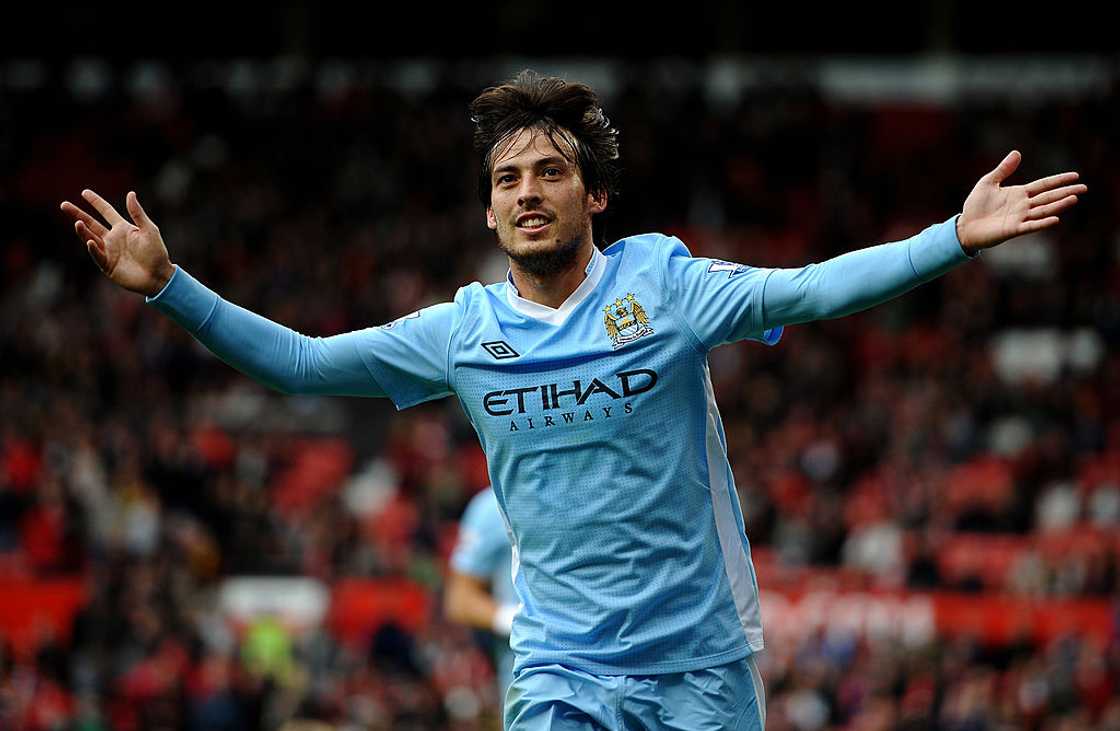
x=1053, y=208
x=139, y=217
x=1053, y=181
x=91, y=223
x=1032, y=226
x=1005, y=168
x=97, y=255
x=98, y=242
x=1057, y=194
x=103, y=207
x=85, y=234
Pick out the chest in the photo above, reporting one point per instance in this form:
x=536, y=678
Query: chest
x=540, y=385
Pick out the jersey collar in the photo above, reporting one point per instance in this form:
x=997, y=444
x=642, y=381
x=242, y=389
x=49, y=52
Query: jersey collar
x=556, y=316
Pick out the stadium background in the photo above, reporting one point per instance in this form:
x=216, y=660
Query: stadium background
x=932, y=489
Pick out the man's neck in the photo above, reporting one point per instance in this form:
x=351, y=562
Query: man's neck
x=553, y=290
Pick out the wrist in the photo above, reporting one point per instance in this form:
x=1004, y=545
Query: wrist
x=162, y=277
x=502, y=624
x=969, y=250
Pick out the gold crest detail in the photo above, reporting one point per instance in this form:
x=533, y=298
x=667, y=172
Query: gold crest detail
x=626, y=320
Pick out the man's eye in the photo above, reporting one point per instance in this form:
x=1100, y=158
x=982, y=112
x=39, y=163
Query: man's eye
x=552, y=171
x=505, y=179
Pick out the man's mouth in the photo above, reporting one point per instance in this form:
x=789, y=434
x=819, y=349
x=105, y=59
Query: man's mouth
x=533, y=224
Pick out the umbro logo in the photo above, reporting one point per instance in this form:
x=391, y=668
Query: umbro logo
x=500, y=350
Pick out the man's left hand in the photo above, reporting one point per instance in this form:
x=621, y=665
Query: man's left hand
x=994, y=214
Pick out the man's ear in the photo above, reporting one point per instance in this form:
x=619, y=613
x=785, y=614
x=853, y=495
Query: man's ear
x=491, y=222
x=597, y=202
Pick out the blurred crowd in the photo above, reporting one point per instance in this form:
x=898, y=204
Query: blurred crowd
x=837, y=681
x=963, y=438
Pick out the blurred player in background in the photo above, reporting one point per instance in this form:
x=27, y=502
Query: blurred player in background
x=585, y=375
x=479, y=590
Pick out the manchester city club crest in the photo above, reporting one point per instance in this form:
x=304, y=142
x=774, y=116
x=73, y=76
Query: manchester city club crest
x=626, y=320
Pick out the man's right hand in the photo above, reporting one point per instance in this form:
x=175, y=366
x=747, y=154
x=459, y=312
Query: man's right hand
x=131, y=254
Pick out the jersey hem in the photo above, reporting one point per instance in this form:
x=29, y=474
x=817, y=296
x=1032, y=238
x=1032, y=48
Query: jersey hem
x=660, y=668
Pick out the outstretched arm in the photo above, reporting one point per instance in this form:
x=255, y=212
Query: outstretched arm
x=362, y=363
x=860, y=279
x=266, y=351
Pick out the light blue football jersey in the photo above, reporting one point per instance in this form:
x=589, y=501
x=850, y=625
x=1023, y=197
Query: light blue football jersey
x=604, y=444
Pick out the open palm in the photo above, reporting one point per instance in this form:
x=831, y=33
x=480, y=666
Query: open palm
x=132, y=254
x=993, y=214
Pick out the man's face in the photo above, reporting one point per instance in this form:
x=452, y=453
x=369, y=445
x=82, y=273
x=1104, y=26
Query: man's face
x=539, y=206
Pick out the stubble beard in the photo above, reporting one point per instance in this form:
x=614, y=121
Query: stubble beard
x=548, y=262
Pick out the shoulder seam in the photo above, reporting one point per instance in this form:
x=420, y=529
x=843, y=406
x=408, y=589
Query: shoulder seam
x=450, y=340
x=662, y=266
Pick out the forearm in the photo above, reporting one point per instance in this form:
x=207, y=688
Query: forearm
x=470, y=605
x=467, y=602
x=267, y=352
x=860, y=279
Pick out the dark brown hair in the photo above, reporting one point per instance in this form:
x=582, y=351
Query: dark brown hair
x=560, y=109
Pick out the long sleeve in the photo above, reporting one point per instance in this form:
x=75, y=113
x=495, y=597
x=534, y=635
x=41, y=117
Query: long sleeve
x=859, y=279
x=724, y=302
x=360, y=363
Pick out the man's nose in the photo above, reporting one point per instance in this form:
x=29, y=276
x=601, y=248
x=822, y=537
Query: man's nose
x=529, y=192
